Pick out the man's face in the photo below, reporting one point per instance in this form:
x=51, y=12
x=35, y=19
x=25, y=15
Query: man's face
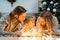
x=22, y=17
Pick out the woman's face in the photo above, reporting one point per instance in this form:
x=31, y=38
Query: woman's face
x=42, y=20
x=22, y=17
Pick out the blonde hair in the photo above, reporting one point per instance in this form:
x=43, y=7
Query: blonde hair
x=27, y=23
x=48, y=17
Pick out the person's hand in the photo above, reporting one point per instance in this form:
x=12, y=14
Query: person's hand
x=16, y=34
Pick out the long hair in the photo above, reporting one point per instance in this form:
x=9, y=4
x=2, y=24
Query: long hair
x=18, y=10
x=49, y=20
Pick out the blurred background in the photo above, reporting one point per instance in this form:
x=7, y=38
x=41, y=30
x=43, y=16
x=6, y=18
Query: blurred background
x=6, y=6
x=50, y=5
x=33, y=7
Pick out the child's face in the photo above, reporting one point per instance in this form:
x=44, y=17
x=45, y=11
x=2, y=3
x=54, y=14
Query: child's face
x=42, y=20
x=29, y=24
x=31, y=21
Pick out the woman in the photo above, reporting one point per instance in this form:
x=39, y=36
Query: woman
x=15, y=19
x=46, y=22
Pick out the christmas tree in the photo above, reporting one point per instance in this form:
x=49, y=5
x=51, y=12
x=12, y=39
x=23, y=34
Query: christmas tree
x=52, y=6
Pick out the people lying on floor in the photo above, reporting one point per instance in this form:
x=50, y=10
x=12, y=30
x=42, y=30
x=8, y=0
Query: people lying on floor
x=47, y=24
x=14, y=20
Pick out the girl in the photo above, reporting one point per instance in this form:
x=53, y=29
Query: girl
x=15, y=19
x=46, y=22
x=29, y=28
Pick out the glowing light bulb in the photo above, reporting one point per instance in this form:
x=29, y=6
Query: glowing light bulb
x=48, y=9
x=51, y=2
x=44, y=3
x=54, y=10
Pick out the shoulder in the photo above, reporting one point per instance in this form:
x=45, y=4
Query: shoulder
x=55, y=19
x=7, y=19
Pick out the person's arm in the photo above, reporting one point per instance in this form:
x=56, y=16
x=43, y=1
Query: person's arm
x=19, y=26
x=5, y=32
x=4, y=25
x=3, y=29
